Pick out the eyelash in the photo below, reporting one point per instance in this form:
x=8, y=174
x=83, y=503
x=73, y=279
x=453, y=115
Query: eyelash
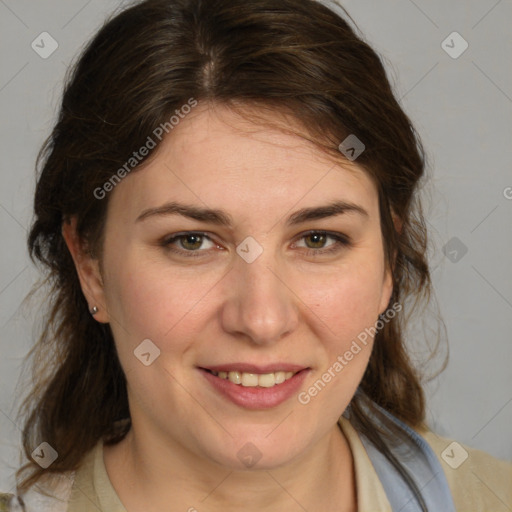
x=342, y=241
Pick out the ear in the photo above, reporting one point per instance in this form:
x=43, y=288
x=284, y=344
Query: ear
x=88, y=270
x=387, y=286
x=387, y=289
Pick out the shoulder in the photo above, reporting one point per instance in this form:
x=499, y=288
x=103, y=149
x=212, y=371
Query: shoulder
x=52, y=495
x=10, y=503
x=477, y=480
x=75, y=491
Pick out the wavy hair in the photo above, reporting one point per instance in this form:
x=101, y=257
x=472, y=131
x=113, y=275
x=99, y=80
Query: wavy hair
x=295, y=57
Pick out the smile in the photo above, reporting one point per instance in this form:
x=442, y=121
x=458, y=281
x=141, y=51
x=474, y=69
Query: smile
x=251, y=380
x=252, y=387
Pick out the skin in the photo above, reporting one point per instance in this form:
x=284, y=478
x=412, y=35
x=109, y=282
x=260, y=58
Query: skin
x=288, y=305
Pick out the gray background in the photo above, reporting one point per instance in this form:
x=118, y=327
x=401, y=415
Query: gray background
x=462, y=109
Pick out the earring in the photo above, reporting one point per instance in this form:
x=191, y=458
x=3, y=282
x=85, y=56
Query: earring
x=93, y=310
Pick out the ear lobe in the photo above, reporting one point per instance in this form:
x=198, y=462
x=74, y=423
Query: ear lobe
x=398, y=222
x=387, y=291
x=87, y=269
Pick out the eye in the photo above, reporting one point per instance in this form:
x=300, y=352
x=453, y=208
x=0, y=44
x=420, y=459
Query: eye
x=190, y=244
x=317, y=242
x=195, y=244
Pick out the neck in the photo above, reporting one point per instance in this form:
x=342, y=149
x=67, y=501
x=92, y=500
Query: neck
x=321, y=479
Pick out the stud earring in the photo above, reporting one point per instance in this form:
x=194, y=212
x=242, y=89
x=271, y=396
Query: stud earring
x=93, y=310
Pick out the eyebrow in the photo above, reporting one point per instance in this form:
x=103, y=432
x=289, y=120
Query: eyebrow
x=222, y=218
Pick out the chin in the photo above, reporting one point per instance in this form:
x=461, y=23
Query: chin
x=257, y=453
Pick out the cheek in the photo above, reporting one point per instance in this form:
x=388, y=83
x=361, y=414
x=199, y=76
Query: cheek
x=152, y=301
x=344, y=310
x=148, y=299
x=348, y=301
x=167, y=307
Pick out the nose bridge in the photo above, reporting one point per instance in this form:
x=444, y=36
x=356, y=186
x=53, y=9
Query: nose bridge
x=259, y=304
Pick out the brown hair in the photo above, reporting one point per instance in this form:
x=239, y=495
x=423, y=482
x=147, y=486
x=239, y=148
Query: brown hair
x=296, y=57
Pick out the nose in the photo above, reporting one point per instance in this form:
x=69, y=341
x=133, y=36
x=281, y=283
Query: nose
x=260, y=305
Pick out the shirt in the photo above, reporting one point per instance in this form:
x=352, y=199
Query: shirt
x=477, y=481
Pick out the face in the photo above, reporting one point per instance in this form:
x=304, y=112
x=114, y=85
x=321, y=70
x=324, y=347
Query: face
x=222, y=253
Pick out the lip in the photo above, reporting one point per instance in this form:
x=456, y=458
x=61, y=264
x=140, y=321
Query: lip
x=256, y=398
x=253, y=368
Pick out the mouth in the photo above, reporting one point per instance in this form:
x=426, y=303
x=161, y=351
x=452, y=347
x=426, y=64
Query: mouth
x=252, y=380
x=256, y=387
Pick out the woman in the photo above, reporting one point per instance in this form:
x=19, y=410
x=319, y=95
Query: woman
x=227, y=210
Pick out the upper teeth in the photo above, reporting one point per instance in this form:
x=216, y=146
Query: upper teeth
x=265, y=380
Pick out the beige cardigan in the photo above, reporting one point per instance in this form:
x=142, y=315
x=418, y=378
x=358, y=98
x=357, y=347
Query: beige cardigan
x=479, y=483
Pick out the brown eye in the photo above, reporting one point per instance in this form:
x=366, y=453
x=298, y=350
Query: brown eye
x=188, y=244
x=317, y=240
x=317, y=243
x=191, y=242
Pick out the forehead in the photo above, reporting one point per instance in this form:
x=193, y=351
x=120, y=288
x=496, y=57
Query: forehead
x=214, y=157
